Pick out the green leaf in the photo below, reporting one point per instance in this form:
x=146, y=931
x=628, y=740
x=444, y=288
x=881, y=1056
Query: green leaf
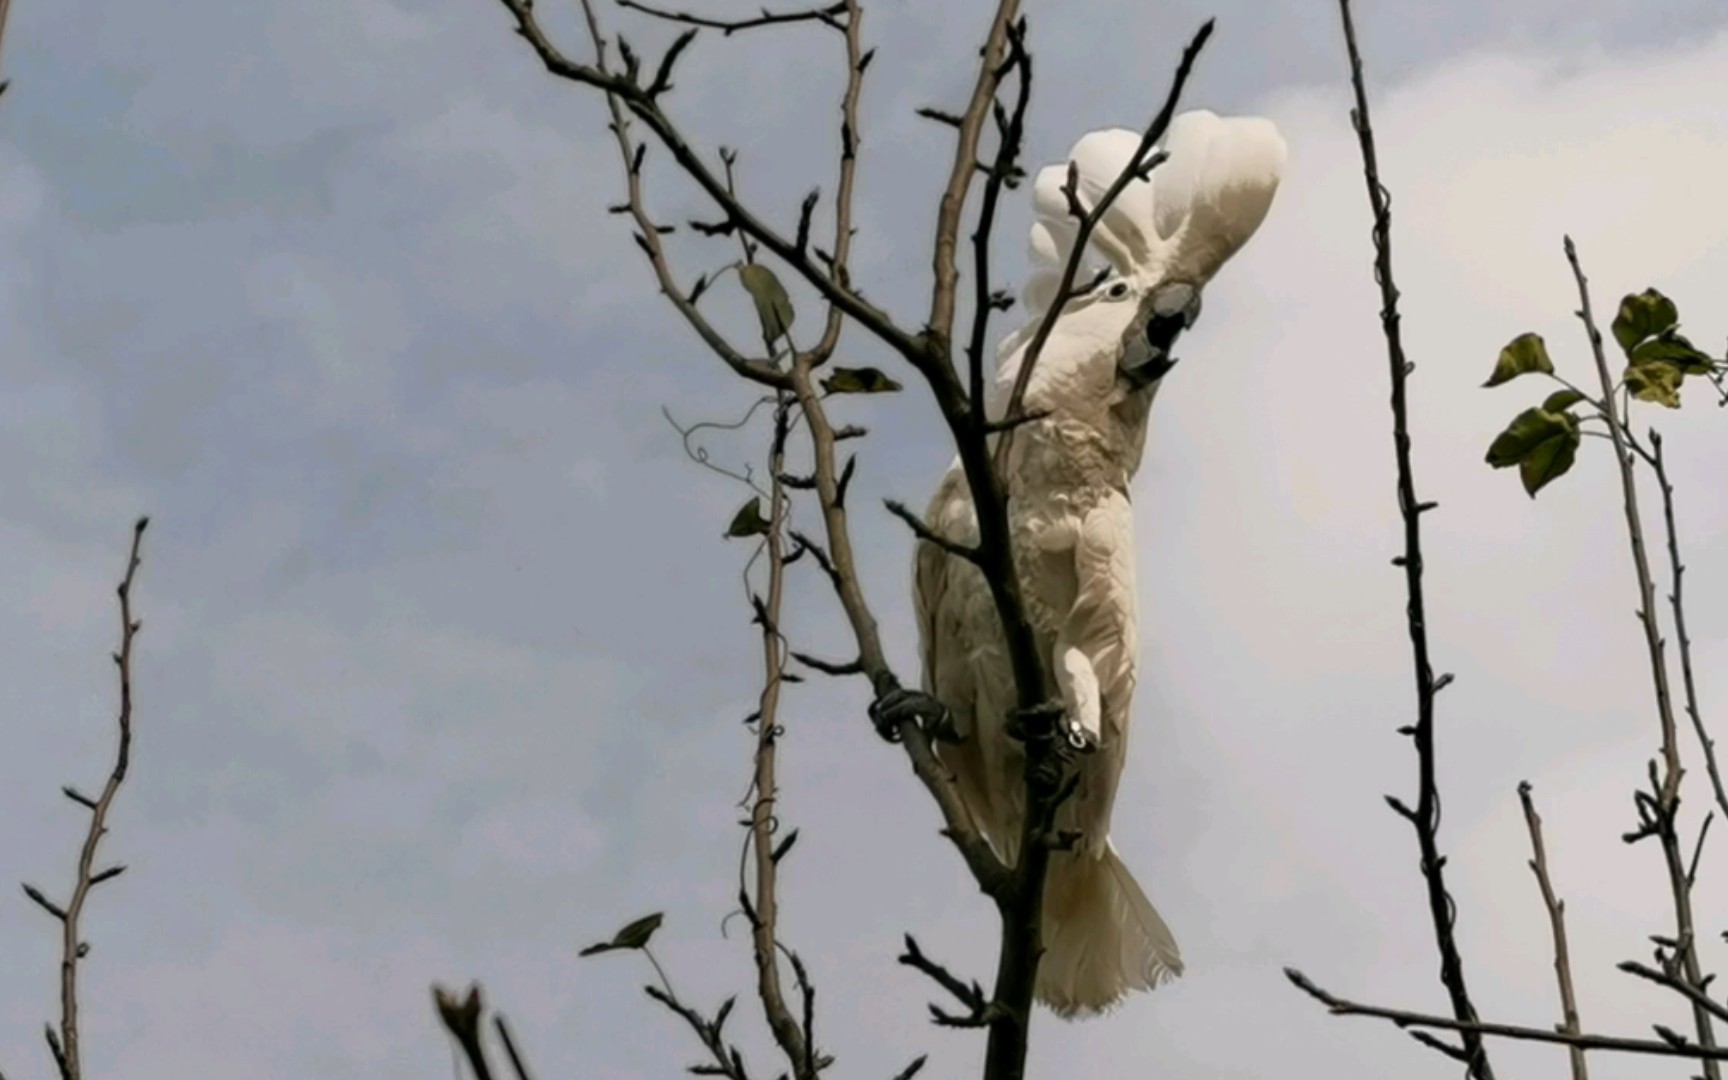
x=1673, y=348
x=748, y=521
x=1528, y=431
x=1657, y=381
x=1561, y=400
x=1524, y=354
x=773, y=306
x=1550, y=460
x=633, y=936
x=848, y=380
x=1643, y=315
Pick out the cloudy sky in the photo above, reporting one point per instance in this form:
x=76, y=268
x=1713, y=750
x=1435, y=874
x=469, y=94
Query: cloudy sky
x=444, y=657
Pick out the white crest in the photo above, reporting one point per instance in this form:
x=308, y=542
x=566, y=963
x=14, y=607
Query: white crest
x=1183, y=223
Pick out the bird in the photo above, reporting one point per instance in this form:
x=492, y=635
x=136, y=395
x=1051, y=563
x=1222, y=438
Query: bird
x=1067, y=476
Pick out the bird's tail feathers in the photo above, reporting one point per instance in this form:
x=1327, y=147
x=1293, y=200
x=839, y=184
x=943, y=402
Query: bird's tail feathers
x=1102, y=936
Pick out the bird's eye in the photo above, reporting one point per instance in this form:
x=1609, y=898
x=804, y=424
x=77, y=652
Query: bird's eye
x=1118, y=291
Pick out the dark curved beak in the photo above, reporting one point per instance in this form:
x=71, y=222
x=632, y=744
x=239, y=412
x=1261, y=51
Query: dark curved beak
x=1175, y=307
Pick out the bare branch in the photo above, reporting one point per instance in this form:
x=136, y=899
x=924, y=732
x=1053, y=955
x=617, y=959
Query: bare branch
x=1557, y=924
x=765, y=905
x=1341, y=1007
x=461, y=1018
x=980, y=1010
x=1010, y=140
x=1426, y=820
x=1677, y=604
x=64, y=1044
x=636, y=99
x=960, y=174
x=827, y=15
x=929, y=535
x=1678, y=985
x=516, y=1062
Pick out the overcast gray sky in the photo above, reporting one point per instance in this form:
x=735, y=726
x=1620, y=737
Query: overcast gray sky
x=444, y=658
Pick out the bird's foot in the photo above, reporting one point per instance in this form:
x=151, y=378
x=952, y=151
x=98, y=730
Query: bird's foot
x=900, y=704
x=1056, y=740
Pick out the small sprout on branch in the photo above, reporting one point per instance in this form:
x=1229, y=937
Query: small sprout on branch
x=44, y=903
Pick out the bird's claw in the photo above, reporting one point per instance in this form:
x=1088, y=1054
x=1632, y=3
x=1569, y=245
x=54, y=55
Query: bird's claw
x=900, y=704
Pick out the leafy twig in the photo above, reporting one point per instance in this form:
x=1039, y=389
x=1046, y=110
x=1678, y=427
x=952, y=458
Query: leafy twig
x=1660, y=808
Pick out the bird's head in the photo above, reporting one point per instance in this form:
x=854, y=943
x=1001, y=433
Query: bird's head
x=1157, y=247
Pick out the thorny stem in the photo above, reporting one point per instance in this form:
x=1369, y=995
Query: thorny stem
x=68, y=1054
x=1667, y=786
x=1557, y=924
x=1425, y=819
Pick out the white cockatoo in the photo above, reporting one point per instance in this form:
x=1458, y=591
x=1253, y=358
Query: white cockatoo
x=1067, y=479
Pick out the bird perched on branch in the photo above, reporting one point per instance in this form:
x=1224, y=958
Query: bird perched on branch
x=1067, y=477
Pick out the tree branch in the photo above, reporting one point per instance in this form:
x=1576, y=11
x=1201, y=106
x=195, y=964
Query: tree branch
x=1426, y=818
x=765, y=908
x=1011, y=135
x=1676, y=600
x=64, y=1044
x=645, y=108
x=952, y=208
x=1341, y=1007
x=827, y=15
x=1665, y=795
x=1557, y=924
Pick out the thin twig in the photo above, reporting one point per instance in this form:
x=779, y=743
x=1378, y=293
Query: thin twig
x=765, y=905
x=728, y=1060
x=1342, y=1007
x=648, y=233
x=1010, y=139
x=1678, y=985
x=1557, y=924
x=826, y=15
x=952, y=208
x=516, y=1063
x=1677, y=603
x=1426, y=818
x=928, y=535
x=1665, y=801
x=461, y=1018
x=646, y=108
x=64, y=1044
